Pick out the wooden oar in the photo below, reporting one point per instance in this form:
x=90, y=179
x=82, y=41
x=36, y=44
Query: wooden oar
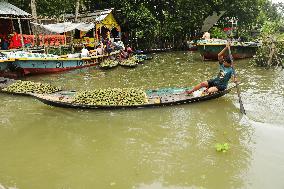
x=242, y=109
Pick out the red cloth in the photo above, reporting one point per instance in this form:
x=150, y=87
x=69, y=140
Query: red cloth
x=15, y=42
x=227, y=29
x=129, y=50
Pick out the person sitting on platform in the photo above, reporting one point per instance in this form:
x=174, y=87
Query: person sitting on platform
x=84, y=52
x=129, y=49
x=206, y=36
x=100, y=49
x=108, y=47
x=123, y=55
x=15, y=41
x=4, y=44
x=219, y=83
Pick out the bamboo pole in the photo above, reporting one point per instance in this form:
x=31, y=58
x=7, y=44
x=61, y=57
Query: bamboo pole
x=21, y=32
x=13, y=28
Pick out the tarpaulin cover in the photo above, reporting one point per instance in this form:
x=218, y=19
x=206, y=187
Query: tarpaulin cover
x=67, y=26
x=211, y=20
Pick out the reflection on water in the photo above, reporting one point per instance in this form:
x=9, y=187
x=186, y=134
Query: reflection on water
x=169, y=147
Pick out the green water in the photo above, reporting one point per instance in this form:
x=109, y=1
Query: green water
x=43, y=147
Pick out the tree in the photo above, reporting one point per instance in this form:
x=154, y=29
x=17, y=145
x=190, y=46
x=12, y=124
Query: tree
x=152, y=22
x=77, y=8
x=33, y=8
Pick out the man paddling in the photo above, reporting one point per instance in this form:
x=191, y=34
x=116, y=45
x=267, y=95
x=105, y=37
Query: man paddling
x=219, y=83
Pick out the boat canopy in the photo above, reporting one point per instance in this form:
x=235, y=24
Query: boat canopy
x=211, y=20
x=66, y=27
x=102, y=18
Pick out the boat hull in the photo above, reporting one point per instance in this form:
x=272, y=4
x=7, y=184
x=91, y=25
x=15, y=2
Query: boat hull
x=210, y=51
x=3, y=66
x=164, y=100
x=5, y=69
x=19, y=67
x=33, y=67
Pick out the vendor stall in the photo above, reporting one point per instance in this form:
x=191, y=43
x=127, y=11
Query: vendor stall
x=106, y=26
x=13, y=23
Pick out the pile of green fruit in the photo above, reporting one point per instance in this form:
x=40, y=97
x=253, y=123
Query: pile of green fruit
x=25, y=87
x=111, y=97
x=130, y=62
x=108, y=63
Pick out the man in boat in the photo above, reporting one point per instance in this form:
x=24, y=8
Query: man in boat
x=219, y=83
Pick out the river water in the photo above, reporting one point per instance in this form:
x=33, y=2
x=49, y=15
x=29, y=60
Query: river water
x=156, y=148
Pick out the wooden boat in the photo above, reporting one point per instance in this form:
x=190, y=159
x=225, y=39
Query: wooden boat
x=209, y=51
x=155, y=98
x=5, y=65
x=5, y=82
x=42, y=64
x=193, y=48
x=147, y=51
x=109, y=66
x=34, y=66
x=142, y=57
x=124, y=63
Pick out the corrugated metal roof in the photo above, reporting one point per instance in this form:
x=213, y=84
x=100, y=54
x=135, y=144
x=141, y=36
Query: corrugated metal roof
x=97, y=15
x=9, y=9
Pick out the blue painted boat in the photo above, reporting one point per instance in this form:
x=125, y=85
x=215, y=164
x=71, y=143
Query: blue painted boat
x=36, y=63
x=4, y=67
x=33, y=66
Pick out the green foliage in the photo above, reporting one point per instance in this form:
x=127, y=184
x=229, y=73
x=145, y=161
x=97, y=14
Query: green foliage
x=270, y=53
x=270, y=28
x=222, y=147
x=218, y=33
x=265, y=56
x=152, y=23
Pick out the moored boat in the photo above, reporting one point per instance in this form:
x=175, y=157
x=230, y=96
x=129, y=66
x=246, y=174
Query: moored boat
x=34, y=66
x=5, y=64
x=209, y=51
x=108, y=64
x=142, y=57
x=131, y=62
x=24, y=63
